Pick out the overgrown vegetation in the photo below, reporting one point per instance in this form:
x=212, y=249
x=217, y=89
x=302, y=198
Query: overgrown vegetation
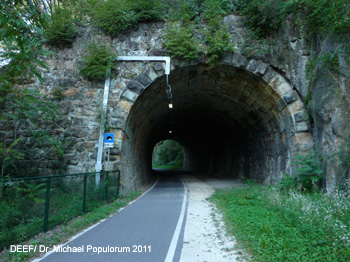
x=61, y=30
x=96, y=62
x=21, y=24
x=309, y=174
x=167, y=154
x=63, y=232
x=319, y=16
x=23, y=203
x=114, y=16
x=288, y=226
x=180, y=40
x=196, y=28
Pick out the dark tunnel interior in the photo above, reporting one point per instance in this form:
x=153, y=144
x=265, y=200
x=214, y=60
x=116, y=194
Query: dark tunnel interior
x=226, y=119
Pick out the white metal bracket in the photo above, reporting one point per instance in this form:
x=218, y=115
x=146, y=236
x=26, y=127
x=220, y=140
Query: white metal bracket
x=166, y=59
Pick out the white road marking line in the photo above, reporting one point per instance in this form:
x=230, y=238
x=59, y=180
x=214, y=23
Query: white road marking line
x=172, y=248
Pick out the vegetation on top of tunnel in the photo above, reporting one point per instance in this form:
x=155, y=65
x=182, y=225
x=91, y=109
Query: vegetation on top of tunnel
x=196, y=28
x=167, y=154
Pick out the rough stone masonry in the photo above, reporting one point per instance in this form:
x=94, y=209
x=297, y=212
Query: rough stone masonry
x=243, y=118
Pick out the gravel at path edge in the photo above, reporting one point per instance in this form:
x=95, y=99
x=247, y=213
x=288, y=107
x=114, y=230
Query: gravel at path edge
x=205, y=238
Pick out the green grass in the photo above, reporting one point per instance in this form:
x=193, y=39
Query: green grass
x=23, y=206
x=63, y=232
x=275, y=226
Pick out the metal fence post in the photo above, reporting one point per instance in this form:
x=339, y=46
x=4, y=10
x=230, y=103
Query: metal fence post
x=84, y=194
x=107, y=186
x=47, y=204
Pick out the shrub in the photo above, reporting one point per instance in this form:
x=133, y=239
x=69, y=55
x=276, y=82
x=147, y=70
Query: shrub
x=147, y=10
x=96, y=62
x=60, y=30
x=319, y=16
x=288, y=183
x=115, y=16
x=217, y=37
x=266, y=16
x=310, y=171
x=180, y=40
x=197, y=27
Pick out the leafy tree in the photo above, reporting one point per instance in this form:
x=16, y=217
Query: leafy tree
x=21, y=25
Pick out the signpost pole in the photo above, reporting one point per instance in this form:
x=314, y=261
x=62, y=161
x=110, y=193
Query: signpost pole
x=108, y=157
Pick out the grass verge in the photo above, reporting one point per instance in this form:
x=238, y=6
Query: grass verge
x=64, y=232
x=276, y=226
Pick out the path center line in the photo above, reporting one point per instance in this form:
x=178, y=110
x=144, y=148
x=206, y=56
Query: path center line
x=171, y=251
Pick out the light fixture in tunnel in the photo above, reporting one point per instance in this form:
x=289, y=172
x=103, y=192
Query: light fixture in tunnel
x=170, y=105
x=170, y=132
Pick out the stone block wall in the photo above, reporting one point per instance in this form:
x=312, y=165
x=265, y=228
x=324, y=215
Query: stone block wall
x=282, y=121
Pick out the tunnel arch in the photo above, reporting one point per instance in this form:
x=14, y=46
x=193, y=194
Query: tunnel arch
x=239, y=119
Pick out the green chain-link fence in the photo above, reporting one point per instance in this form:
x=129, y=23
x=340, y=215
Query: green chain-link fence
x=34, y=204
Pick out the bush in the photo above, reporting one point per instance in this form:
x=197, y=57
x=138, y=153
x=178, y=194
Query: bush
x=310, y=171
x=320, y=16
x=60, y=30
x=288, y=183
x=308, y=176
x=264, y=17
x=217, y=37
x=96, y=62
x=197, y=27
x=180, y=40
x=115, y=16
x=147, y=10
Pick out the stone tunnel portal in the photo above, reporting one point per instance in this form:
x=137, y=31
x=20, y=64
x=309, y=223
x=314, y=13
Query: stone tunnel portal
x=229, y=121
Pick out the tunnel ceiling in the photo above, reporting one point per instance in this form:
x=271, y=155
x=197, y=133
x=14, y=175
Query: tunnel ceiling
x=227, y=120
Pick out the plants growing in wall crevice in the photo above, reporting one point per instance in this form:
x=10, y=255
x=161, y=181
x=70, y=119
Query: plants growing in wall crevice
x=196, y=28
x=96, y=62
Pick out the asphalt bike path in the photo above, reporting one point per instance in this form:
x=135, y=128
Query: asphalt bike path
x=148, y=230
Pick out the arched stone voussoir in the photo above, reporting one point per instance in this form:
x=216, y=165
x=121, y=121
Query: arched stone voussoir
x=240, y=109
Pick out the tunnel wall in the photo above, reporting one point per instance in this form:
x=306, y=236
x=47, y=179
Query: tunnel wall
x=275, y=118
x=252, y=122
